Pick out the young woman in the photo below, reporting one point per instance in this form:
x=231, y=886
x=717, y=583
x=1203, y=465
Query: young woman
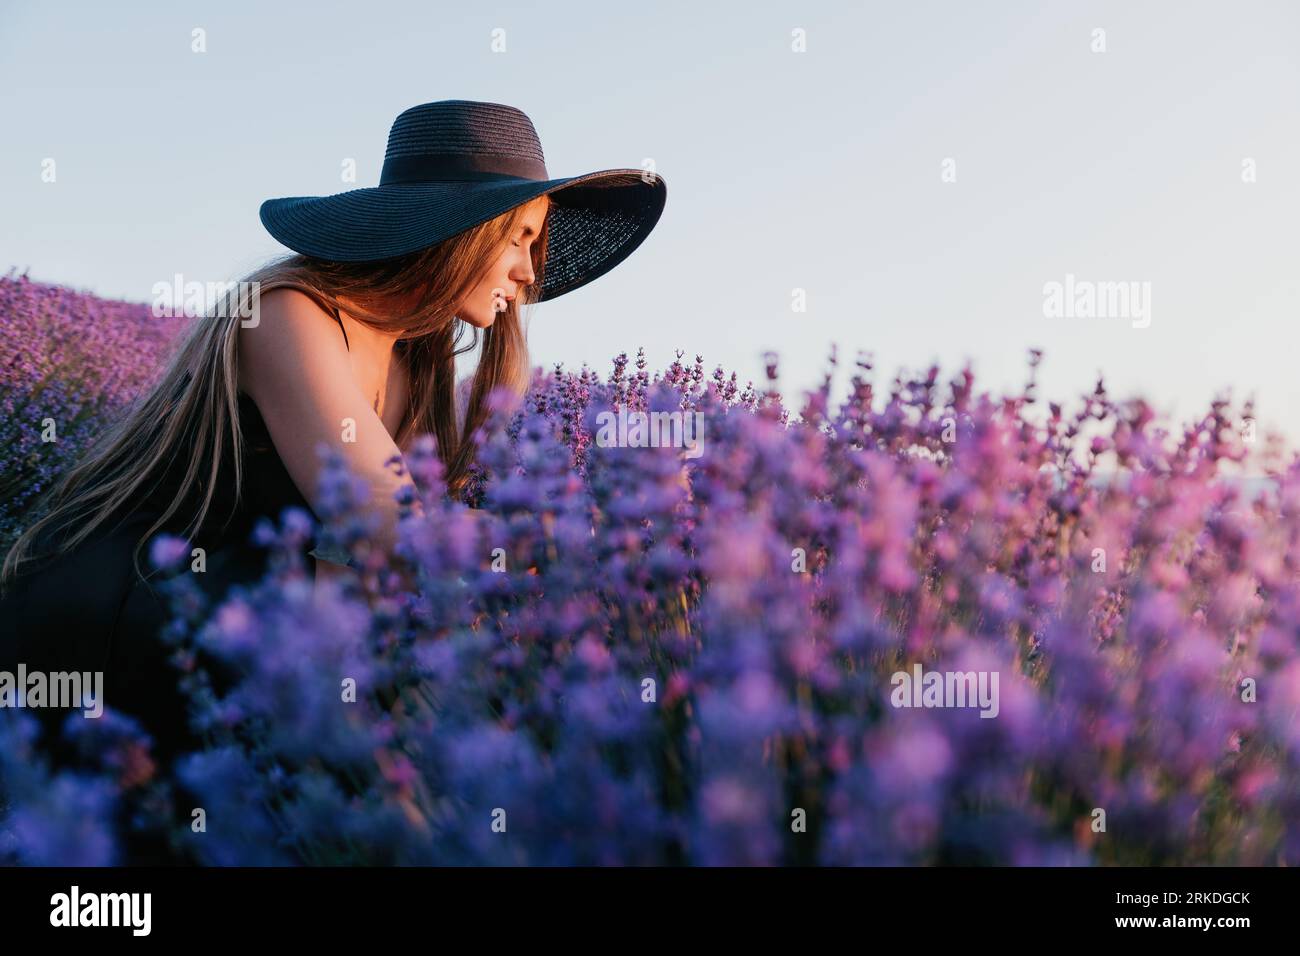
x=351, y=342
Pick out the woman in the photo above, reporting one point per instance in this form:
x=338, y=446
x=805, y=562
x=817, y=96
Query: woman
x=350, y=343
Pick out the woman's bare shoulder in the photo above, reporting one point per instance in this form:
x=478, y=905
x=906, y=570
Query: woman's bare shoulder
x=289, y=303
x=291, y=330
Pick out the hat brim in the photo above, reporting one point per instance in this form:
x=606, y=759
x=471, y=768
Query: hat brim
x=597, y=220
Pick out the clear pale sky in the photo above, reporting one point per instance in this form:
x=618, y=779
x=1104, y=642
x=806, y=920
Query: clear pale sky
x=817, y=170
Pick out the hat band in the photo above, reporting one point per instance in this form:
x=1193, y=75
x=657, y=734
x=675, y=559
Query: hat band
x=467, y=167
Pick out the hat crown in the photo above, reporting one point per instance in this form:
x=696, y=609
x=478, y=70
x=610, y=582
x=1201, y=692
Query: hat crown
x=466, y=140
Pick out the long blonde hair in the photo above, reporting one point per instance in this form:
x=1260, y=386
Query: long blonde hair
x=193, y=410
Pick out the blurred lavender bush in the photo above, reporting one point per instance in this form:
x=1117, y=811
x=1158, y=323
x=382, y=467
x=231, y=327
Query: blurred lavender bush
x=618, y=655
x=71, y=359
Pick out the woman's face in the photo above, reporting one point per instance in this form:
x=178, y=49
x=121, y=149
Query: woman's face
x=506, y=277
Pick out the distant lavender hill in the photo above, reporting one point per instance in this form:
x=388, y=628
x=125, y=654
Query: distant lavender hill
x=72, y=361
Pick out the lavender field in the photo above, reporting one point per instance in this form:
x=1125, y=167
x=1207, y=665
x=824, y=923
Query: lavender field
x=625, y=655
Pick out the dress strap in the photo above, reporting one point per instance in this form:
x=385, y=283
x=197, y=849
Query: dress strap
x=341, y=329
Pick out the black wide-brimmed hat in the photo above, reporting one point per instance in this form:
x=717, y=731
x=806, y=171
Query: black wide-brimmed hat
x=454, y=164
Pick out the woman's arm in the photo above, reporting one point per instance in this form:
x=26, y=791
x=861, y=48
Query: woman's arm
x=294, y=365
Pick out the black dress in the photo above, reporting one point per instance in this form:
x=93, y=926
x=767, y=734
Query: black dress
x=88, y=609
